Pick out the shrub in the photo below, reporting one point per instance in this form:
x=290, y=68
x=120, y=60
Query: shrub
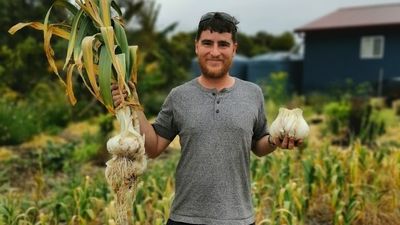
x=337, y=114
x=354, y=119
x=18, y=122
x=276, y=88
x=50, y=104
x=87, y=149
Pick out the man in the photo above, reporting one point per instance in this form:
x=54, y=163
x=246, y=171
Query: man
x=219, y=119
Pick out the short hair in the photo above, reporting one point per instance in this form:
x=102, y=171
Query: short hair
x=220, y=22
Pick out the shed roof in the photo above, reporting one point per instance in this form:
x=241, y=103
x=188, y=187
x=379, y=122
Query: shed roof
x=360, y=16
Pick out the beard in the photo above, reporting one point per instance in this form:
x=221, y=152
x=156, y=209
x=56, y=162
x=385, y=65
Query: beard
x=215, y=73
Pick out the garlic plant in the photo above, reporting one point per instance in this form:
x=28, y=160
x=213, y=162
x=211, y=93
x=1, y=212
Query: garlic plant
x=289, y=123
x=127, y=164
x=98, y=50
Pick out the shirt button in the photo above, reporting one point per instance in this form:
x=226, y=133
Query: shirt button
x=213, y=94
x=218, y=102
x=217, y=111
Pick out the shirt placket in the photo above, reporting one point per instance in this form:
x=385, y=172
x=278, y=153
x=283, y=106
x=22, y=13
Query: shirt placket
x=217, y=105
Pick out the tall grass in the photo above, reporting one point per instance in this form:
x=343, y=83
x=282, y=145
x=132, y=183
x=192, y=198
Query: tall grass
x=316, y=186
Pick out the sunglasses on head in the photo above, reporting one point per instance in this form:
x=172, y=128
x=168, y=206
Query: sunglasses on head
x=222, y=15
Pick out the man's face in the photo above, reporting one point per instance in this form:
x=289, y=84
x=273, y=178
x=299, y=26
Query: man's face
x=215, y=52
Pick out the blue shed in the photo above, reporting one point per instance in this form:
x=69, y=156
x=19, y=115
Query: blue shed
x=238, y=69
x=260, y=67
x=360, y=43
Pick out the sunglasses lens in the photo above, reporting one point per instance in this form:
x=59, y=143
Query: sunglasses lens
x=223, y=15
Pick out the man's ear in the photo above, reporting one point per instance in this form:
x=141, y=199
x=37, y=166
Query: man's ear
x=195, y=46
x=235, y=46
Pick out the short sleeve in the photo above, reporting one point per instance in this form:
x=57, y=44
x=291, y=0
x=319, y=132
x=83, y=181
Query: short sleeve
x=164, y=124
x=260, y=128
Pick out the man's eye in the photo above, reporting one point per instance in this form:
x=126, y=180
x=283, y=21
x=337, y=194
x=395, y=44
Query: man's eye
x=206, y=43
x=224, y=44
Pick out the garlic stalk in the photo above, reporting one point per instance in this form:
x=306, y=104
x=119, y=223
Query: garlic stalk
x=289, y=123
x=127, y=163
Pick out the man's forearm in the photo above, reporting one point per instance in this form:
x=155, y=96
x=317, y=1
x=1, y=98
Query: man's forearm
x=263, y=147
x=151, y=138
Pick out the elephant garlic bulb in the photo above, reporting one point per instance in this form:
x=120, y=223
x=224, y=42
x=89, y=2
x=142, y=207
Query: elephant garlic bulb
x=128, y=162
x=289, y=123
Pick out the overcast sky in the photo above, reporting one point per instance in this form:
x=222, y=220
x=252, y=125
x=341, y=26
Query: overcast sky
x=273, y=16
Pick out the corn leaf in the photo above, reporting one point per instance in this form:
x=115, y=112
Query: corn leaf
x=122, y=42
x=121, y=60
x=50, y=54
x=108, y=36
x=81, y=74
x=87, y=48
x=123, y=84
x=69, y=89
x=133, y=56
x=105, y=12
x=105, y=72
x=39, y=26
x=91, y=10
x=72, y=37
x=83, y=28
x=47, y=33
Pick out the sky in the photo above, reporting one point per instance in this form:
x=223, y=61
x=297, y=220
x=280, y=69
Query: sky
x=272, y=16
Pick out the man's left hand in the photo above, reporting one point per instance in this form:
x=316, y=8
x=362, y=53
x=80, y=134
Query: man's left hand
x=287, y=142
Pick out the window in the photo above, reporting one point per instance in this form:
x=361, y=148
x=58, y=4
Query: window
x=372, y=47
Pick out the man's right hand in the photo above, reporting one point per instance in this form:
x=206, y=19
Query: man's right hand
x=118, y=98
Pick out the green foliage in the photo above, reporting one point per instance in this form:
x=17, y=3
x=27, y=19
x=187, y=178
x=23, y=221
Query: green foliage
x=18, y=122
x=350, y=89
x=55, y=157
x=276, y=88
x=337, y=114
x=263, y=42
x=45, y=109
x=354, y=119
x=88, y=148
x=25, y=58
x=283, y=42
x=50, y=104
x=372, y=125
x=246, y=45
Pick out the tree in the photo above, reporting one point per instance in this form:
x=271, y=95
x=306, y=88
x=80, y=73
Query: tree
x=284, y=41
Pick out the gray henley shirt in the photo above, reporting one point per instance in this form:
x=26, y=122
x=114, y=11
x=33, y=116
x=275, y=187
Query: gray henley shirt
x=216, y=130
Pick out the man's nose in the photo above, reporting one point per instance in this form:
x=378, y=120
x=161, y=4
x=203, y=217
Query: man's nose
x=215, y=51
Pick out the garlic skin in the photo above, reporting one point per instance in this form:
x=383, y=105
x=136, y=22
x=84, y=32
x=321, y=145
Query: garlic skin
x=129, y=143
x=301, y=126
x=276, y=128
x=289, y=123
x=128, y=146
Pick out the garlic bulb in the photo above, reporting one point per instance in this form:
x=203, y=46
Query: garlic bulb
x=289, y=123
x=128, y=162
